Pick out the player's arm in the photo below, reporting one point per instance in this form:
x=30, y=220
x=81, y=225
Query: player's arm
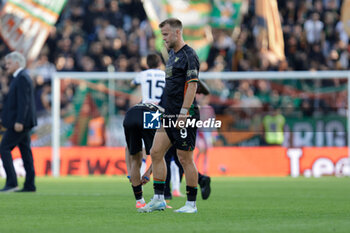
x=147, y=176
x=133, y=84
x=136, y=81
x=192, y=85
x=189, y=96
x=188, y=100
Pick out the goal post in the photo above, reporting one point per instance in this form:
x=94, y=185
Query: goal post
x=56, y=95
x=229, y=76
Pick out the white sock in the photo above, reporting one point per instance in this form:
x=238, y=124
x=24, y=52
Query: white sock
x=191, y=203
x=175, y=176
x=141, y=200
x=159, y=196
x=143, y=167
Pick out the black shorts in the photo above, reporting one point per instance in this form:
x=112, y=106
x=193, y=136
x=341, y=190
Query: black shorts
x=134, y=131
x=182, y=139
x=185, y=138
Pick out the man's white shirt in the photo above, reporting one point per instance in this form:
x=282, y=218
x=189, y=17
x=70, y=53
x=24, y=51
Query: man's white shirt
x=17, y=72
x=152, y=83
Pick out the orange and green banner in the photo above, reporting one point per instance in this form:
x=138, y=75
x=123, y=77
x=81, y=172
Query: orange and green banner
x=156, y=13
x=226, y=13
x=195, y=16
x=271, y=33
x=345, y=16
x=25, y=24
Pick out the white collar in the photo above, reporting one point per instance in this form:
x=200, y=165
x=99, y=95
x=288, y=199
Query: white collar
x=17, y=72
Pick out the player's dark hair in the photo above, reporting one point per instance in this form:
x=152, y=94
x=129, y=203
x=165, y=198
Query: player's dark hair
x=173, y=22
x=153, y=60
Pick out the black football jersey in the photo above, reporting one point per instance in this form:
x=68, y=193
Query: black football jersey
x=181, y=69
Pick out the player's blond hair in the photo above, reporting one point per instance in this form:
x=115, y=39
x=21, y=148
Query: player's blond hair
x=172, y=22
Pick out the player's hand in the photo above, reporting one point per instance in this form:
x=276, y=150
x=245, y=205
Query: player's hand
x=18, y=127
x=145, y=178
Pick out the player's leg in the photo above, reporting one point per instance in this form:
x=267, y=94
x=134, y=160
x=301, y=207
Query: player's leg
x=203, y=180
x=185, y=140
x=175, y=179
x=191, y=175
x=181, y=170
x=161, y=144
x=143, y=164
x=127, y=161
x=172, y=183
x=167, y=189
x=190, y=169
x=133, y=153
x=135, y=165
x=204, y=183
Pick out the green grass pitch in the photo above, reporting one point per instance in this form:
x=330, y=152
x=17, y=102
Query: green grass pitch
x=106, y=204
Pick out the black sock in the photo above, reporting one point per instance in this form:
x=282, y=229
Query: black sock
x=137, y=191
x=191, y=193
x=158, y=187
x=200, y=176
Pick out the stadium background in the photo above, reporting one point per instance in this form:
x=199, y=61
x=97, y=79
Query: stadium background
x=108, y=36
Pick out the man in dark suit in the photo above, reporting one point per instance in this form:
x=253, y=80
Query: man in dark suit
x=18, y=117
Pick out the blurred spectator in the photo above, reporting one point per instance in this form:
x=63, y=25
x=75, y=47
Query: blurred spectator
x=87, y=64
x=92, y=35
x=343, y=36
x=306, y=108
x=65, y=63
x=313, y=28
x=273, y=125
x=115, y=16
x=43, y=69
x=107, y=29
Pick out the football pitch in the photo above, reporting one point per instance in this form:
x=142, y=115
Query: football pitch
x=106, y=204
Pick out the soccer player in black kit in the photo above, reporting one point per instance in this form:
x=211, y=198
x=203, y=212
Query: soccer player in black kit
x=133, y=124
x=180, y=89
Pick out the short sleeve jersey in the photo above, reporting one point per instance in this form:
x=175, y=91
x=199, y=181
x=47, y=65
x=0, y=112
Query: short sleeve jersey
x=152, y=83
x=181, y=69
